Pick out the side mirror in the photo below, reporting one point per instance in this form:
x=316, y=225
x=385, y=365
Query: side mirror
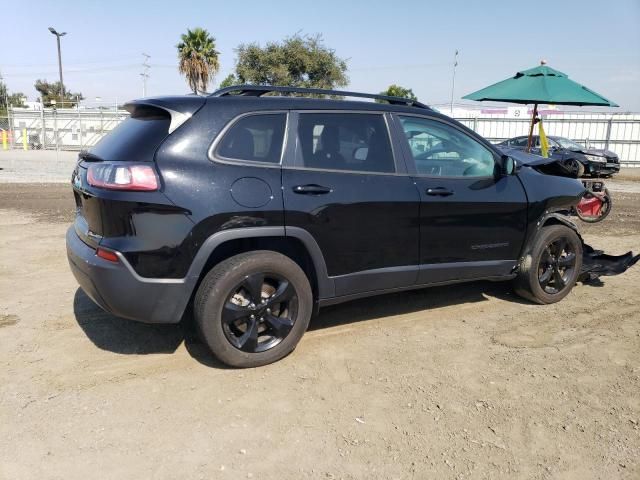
x=507, y=165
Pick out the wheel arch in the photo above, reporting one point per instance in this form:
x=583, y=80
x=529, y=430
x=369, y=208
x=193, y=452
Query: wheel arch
x=549, y=218
x=295, y=243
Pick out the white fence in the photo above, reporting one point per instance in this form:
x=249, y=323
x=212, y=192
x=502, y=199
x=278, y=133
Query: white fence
x=71, y=129
x=619, y=132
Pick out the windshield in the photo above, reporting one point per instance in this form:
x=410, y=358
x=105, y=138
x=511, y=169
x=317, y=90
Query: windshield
x=568, y=144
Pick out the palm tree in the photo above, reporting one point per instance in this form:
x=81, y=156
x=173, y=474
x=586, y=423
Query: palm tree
x=198, y=58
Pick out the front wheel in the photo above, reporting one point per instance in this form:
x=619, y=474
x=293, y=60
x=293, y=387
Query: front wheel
x=549, y=272
x=253, y=308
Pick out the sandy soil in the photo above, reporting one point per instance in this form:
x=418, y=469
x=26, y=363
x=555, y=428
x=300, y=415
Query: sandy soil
x=457, y=382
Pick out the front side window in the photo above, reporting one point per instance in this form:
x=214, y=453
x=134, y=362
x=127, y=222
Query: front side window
x=439, y=149
x=254, y=138
x=344, y=141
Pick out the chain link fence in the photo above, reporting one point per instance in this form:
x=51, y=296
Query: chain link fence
x=77, y=129
x=63, y=129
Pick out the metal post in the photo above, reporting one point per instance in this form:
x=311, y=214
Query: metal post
x=55, y=129
x=58, y=35
x=608, y=137
x=533, y=122
x=79, y=122
x=60, y=69
x=43, y=145
x=453, y=79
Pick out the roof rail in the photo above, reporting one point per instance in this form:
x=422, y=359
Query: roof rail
x=260, y=90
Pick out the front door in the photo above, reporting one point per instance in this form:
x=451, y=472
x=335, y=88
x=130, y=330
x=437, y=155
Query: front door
x=472, y=220
x=341, y=185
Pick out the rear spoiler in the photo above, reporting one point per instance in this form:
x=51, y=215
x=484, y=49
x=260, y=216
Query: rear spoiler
x=179, y=108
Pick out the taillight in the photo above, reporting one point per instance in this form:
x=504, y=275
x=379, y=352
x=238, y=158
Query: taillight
x=119, y=176
x=107, y=255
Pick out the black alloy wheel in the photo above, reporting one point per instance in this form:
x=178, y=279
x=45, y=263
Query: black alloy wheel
x=556, y=266
x=260, y=312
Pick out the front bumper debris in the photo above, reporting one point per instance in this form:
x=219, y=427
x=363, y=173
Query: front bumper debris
x=596, y=263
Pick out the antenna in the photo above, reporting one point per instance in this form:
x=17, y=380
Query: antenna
x=145, y=73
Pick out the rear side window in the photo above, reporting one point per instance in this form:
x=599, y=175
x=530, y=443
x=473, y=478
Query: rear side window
x=255, y=138
x=344, y=141
x=137, y=138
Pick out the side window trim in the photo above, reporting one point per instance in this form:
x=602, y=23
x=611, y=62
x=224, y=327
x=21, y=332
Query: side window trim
x=293, y=145
x=408, y=156
x=214, y=157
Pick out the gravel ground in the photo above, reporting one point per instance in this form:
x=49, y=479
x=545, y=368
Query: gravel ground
x=448, y=383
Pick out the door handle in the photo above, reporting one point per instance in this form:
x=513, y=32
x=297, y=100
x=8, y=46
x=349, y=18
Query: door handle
x=311, y=189
x=439, y=192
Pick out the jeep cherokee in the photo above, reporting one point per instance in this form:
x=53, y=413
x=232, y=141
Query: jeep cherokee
x=257, y=206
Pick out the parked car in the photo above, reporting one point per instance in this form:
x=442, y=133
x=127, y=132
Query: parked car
x=259, y=209
x=581, y=161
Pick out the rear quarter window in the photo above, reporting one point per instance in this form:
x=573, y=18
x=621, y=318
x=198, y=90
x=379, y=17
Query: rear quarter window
x=135, y=139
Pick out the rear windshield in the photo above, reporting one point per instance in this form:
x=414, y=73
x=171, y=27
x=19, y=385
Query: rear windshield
x=135, y=139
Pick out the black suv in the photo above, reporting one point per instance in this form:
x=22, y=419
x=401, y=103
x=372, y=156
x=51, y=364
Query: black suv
x=581, y=161
x=257, y=206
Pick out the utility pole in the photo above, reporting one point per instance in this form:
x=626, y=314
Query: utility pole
x=58, y=35
x=453, y=79
x=145, y=73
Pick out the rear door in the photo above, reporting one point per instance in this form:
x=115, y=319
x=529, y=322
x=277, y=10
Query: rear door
x=342, y=184
x=472, y=221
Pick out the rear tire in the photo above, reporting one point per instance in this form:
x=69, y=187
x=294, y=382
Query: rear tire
x=549, y=272
x=253, y=308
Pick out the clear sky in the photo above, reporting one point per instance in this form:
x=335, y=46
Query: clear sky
x=407, y=42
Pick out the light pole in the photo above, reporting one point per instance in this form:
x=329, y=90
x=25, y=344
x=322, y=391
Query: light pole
x=453, y=80
x=58, y=35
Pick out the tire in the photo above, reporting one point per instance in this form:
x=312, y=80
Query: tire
x=548, y=273
x=607, y=204
x=575, y=167
x=240, y=331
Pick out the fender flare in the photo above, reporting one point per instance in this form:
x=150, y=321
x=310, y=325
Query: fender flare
x=325, y=284
x=544, y=220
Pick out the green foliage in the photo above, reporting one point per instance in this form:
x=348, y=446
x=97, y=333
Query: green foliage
x=11, y=99
x=198, y=58
x=298, y=61
x=229, y=81
x=398, y=91
x=52, y=91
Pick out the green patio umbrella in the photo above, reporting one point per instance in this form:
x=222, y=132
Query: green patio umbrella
x=541, y=84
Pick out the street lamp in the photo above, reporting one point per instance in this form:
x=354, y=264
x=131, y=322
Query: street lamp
x=58, y=35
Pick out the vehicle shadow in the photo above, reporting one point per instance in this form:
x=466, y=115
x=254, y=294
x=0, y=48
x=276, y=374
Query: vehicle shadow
x=119, y=335
x=127, y=337
x=412, y=301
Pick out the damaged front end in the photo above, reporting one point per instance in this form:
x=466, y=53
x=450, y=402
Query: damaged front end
x=551, y=200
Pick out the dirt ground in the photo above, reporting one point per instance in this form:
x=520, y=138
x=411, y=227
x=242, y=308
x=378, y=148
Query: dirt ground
x=454, y=382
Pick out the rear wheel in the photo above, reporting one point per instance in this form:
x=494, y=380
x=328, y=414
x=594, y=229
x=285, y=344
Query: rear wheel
x=550, y=271
x=253, y=308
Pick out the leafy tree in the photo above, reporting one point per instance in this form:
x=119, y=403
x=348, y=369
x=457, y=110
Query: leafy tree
x=198, y=58
x=53, y=91
x=11, y=99
x=229, y=81
x=398, y=91
x=299, y=61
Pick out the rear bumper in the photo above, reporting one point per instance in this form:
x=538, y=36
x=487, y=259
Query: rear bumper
x=119, y=290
